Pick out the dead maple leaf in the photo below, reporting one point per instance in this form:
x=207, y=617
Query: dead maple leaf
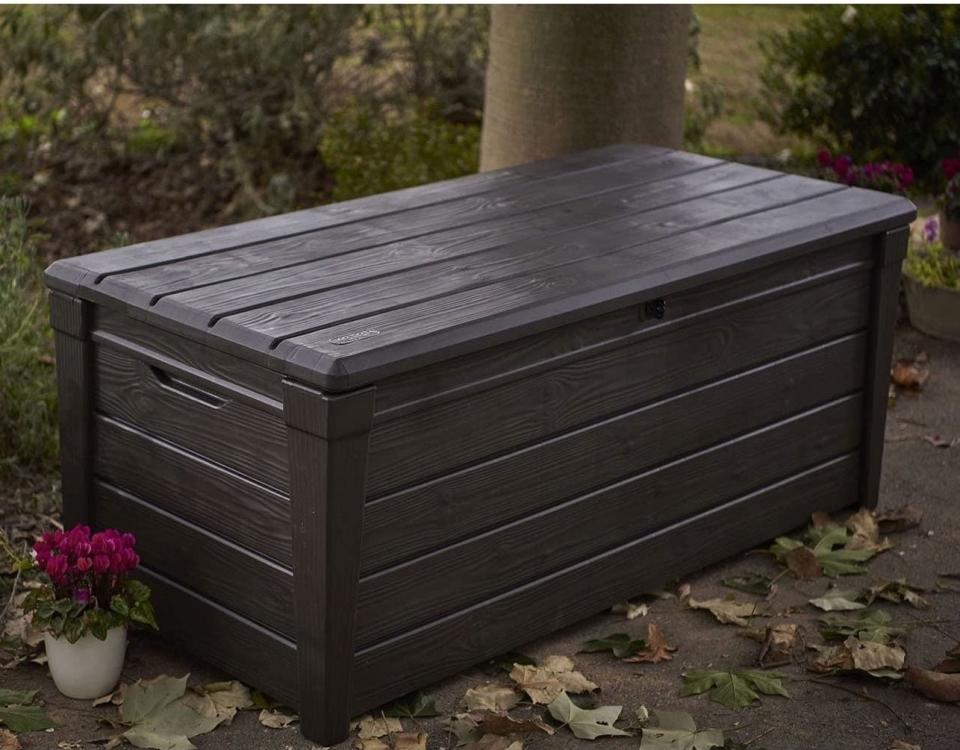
x=865, y=532
x=545, y=682
x=820, y=519
x=491, y=697
x=657, y=649
x=371, y=743
x=500, y=723
x=276, y=719
x=727, y=611
x=899, y=519
x=371, y=727
x=910, y=373
x=802, y=562
x=493, y=742
x=903, y=745
x=935, y=685
x=409, y=741
x=855, y=655
x=782, y=644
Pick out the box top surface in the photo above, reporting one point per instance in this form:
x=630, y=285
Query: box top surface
x=346, y=294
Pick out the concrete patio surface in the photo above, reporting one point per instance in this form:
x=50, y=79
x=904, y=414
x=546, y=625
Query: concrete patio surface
x=817, y=716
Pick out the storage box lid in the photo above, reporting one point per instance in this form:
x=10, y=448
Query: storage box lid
x=346, y=294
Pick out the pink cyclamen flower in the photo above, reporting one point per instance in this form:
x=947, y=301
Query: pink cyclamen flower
x=81, y=595
x=950, y=166
x=84, y=564
x=824, y=158
x=931, y=229
x=101, y=563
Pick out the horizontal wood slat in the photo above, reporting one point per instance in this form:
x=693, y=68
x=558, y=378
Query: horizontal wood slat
x=456, y=506
x=418, y=446
x=517, y=359
x=252, y=586
x=93, y=268
x=534, y=546
x=232, y=433
x=328, y=261
x=120, y=324
x=241, y=648
x=490, y=628
x=191, y=487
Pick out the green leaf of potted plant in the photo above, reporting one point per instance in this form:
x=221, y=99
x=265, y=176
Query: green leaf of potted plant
x=84, y=605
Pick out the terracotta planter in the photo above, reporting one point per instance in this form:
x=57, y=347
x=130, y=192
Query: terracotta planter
x=949, y=232
x=88, y=668
x=933, y=310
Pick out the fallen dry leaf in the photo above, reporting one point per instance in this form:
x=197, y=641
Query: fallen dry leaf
x=896, y=591
x=820, y=519
x=409, y=741
x=371, y=743
x=491, y=697
x=499, y=723
x=727, y=611
x=783, y=643
x=870, y=657
x=493, y=742
x=938, y=441
x=865, y=532
x=276, y=719
x=544, y=683
x=115, y=698
x=948, y=666
x=899, y=519
x=909, y=374
x=657, y=649
x=802, y=562
x=8, y=740
x=935, y=685
x=631, y=610
x=903, y=745
x=369, y=726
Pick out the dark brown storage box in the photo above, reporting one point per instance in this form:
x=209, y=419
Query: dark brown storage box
x=374, y=443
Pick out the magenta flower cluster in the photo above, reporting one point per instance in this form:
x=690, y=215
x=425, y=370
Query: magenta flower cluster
x=890, y=176
x=84, y=566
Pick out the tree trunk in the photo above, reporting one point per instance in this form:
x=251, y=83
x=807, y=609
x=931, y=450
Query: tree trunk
x=567, y=77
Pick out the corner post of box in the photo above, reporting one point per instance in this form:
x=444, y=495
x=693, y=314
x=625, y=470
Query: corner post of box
x=883, y=317
x=327, y=438
x=70, y=318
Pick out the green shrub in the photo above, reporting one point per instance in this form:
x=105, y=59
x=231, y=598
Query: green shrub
x=933, y=265
x=28, y=432
x=877, y=82
x=372, y=150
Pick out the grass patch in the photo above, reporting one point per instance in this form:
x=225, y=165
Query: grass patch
x=28, y=400
x=730, y=37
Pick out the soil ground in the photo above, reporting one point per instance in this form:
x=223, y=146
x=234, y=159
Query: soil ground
x=849, y=714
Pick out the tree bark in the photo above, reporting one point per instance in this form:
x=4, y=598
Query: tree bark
x=562, y=78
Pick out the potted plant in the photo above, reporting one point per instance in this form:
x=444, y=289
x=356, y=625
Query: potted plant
x=84, y=603
x=950, y=205
x=932, y=285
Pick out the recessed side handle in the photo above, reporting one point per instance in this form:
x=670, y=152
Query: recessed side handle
x=189, y=390
x=655, y=308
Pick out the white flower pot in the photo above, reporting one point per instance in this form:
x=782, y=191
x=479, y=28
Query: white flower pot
x=88, y=668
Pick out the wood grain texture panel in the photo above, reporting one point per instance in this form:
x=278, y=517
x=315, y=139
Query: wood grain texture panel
x=883, y=318
x=69, y=274
x=440, y=329
x=433, y=441
x=516, y=359
x=218, y=636
x=191, y=354
x=456, y=506
x=328, y=259
x=70, y=318
x=328, y=450
x=194, y=489
x=465, y=638
x=223, y=572
x=147, y=286
x=508, y=556
x=290, y=294
x=222, y=429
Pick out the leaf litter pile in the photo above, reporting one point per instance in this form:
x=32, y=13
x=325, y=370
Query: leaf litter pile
x=529, y=701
